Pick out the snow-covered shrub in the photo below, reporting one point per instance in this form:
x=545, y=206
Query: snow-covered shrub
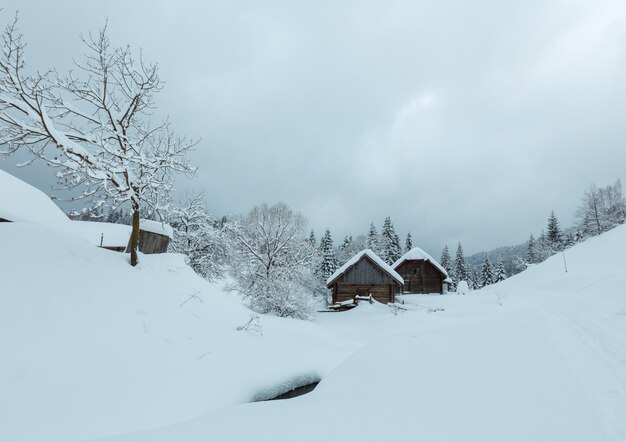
x=273, y=264
x=199, y=236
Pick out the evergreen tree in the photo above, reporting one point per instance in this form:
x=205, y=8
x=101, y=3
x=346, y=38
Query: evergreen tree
x=475, y=279
x=446, y=262
x=328, y=263
x=554, y=235
x=531, y=250
x=486, y=276
x=389, y=243
x=408, y=244
x=372, y=239
x=461, y=270
x=312, y=239
x=346, y=242
x=500, y=272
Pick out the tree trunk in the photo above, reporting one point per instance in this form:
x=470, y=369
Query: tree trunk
x=134, y=238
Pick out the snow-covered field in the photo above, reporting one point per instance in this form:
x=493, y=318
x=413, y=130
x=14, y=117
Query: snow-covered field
x=91, y=348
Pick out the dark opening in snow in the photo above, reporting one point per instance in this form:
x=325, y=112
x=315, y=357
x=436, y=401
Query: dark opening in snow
x=294, y=387
x=299, y=391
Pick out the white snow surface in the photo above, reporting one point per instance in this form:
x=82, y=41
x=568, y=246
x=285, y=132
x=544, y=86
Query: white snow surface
x=109, y=234
x=21, y=202
x=93, y=349
x=356, y=258
x=418, y=254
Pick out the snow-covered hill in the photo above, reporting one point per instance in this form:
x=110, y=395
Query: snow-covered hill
x=91, y=348
x=539, y=357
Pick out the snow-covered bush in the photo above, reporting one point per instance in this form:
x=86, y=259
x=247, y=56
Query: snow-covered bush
x=199, y=236
x=273, y=264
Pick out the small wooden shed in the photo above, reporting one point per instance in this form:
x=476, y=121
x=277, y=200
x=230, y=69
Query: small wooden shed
x=421, y=273
x=363, y=275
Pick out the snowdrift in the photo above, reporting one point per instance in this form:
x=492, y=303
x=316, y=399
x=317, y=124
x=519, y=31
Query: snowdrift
x=539, y=357
x=91, y=347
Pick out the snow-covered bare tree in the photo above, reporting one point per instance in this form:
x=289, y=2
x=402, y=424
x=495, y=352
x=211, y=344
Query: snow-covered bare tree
x=601, y=209
x=199, y=236
x=273, y=263
x=94, y=124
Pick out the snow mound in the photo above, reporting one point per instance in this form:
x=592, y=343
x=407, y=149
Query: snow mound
x=102, y=234
x=92, y=347
x=21, y=202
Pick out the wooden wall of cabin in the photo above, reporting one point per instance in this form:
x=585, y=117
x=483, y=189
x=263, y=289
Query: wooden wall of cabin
x=150, y=242
x=420, y=277
x=383, y=293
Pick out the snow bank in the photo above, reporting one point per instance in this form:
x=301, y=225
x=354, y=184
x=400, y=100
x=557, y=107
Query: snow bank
x=21, y=202
x=91, y=347
x=105, y=234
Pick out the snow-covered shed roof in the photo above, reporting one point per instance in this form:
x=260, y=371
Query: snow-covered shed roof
x=156, y=227
x=356, y=258
x=418, y=254
x=21, y=202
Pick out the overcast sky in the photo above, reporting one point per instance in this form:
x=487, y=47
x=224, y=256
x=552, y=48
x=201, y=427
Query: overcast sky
x=463, y=121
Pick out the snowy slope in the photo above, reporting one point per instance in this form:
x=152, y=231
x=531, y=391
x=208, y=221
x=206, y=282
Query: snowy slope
x=539, y=357
x=20, y=201
x=90, y=347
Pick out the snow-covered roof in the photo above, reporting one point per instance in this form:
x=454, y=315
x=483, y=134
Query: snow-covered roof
x=21, y=202
x=111, y=235
x=156, y=227
x=418, y=254
x=356, y=258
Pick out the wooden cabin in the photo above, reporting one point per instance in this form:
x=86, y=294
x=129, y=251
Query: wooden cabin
x=363, y=275
x=421, y=273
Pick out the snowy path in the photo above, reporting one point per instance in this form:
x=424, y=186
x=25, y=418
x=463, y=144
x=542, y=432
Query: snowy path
x=596, y=350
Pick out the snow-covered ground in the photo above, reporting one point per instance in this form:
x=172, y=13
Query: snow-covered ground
x=91, y=348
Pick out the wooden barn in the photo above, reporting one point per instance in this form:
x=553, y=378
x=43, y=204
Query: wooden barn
x=421, y=273
x=363, y=275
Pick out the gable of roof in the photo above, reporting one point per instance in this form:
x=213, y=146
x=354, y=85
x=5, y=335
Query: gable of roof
x=418, y=254
x=358, y=257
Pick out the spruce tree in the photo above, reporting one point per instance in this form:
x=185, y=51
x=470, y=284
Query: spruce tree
x=328, y=263
x=500, y=272
x=475, y=279
x=389, y=245
x=372, y=239
x=531, y=250
x=312, y=239
x=461, y=270
x=554, y=235
x=446, y=262
x=486, y=276
x=408, y=244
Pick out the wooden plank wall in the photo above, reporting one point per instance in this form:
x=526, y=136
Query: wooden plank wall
x=365, y=272
x=420, y=277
